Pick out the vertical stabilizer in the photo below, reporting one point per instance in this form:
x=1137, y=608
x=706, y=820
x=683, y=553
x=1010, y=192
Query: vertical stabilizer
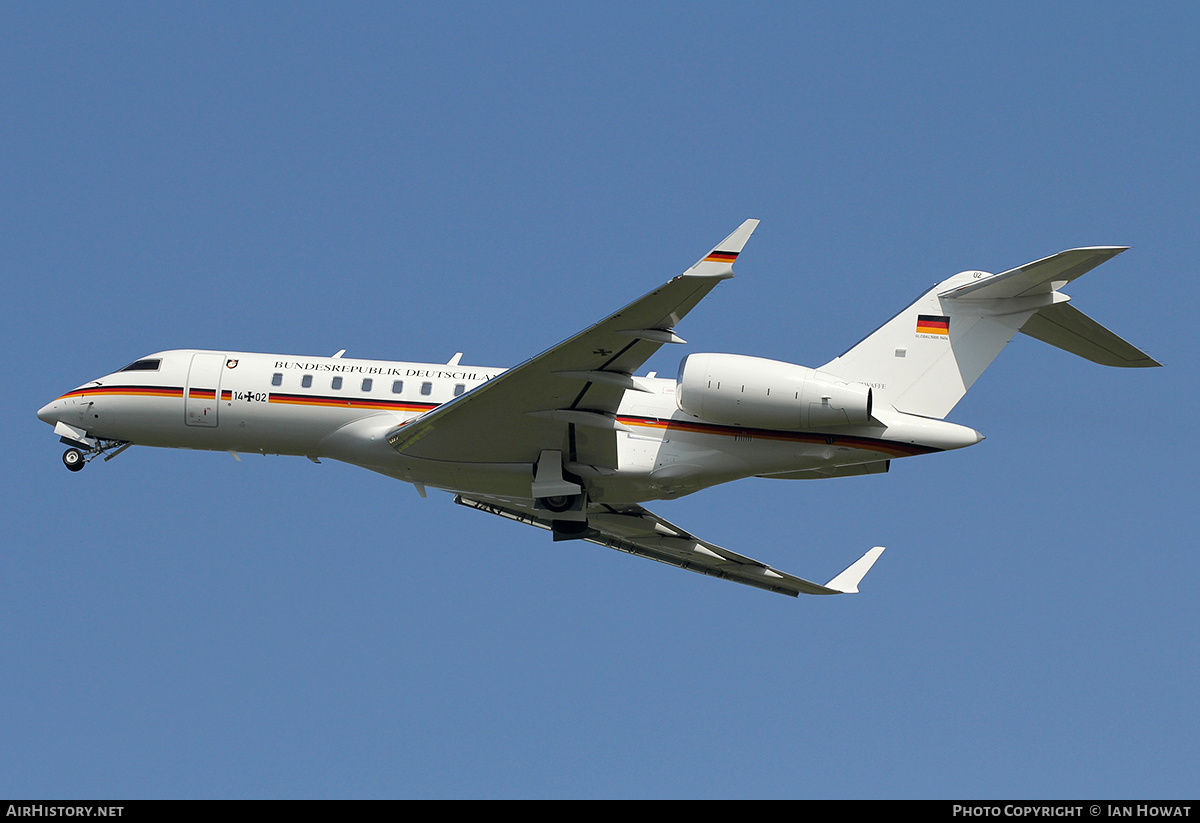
x=924, y=359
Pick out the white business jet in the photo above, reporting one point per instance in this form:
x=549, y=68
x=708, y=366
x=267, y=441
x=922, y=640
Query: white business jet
x=573, y=441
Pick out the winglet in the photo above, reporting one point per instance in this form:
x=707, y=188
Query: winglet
x=719, y=261
x=847, y=581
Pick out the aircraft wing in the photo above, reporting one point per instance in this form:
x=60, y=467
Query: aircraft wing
x=633, y=529
x=566, y=397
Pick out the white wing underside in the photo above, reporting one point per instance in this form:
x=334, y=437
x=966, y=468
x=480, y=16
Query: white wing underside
x=632, y=529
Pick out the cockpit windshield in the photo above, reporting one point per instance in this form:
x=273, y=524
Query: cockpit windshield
x=143, y=365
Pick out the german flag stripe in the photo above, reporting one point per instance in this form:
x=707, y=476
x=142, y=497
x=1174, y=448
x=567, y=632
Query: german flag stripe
x=721, y=257
x=177, y=392
x=126, y=391
x=327, y=401
x=932, y=324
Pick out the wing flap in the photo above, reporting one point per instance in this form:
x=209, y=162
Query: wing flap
x=634, y=530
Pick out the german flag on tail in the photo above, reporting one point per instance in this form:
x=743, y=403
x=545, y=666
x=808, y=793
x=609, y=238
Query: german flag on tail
x=933, y=324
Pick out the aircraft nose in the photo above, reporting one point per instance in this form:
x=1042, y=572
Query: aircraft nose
x=49, y=412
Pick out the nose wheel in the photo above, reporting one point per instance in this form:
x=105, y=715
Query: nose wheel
x=75, y=459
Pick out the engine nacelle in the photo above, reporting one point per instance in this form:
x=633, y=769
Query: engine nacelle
x=737, y=390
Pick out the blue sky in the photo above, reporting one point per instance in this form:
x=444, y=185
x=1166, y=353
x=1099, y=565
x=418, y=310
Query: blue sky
x=408, y=181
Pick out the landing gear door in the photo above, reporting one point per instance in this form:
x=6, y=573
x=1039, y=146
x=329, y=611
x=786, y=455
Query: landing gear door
x=203, y=389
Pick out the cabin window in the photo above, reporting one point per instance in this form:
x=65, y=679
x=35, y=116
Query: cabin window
x=459, y=388
x=336, y=384
x=306, y=381
x=426, y=388
x=277, y=379
x=397, y=386
x=143, y=365
x=367, y=384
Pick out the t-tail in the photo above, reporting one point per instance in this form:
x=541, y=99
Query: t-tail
x=924, y=359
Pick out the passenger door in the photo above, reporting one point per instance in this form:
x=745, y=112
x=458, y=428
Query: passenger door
x=203, y=390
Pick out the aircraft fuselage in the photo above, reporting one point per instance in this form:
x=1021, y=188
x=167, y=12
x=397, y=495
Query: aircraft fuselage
x=573, y=441
x=344, y=409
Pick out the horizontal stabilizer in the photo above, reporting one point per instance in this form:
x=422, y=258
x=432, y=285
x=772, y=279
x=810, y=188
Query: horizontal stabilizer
x=1039, y=277
x=1068, y=328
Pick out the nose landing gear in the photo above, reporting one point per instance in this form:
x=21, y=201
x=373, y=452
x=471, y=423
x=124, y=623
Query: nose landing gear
x=75, y=459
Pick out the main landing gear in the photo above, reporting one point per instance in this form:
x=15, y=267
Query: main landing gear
x=559, y=502
x=560, y=495
x=75, y=459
